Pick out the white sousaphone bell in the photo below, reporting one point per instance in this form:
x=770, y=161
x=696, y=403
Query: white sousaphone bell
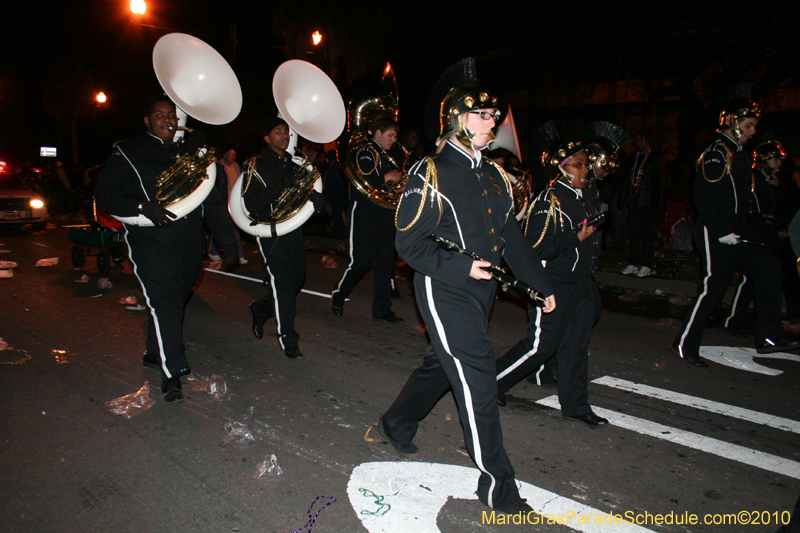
x=202, y=85
x=310, y=103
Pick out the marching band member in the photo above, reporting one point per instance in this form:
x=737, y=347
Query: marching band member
x=557, y=229
x=166, y=258
x=767, y=157
x=372, y=226
x=459, y=195
x=284, y=257
x=725, y=236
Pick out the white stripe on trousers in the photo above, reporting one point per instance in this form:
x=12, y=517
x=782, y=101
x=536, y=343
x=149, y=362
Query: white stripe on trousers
x=702, y=295
x=161, y=353
x=467, y=394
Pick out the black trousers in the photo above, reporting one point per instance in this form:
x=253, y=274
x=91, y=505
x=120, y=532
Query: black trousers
x=285, y=271
x=371, y=245
x=642, y=234
x=565, y=334
x=720, y=262
x=791, y=289
x=167, y=262
x=460, y=358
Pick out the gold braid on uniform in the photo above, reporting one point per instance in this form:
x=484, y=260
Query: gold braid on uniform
x=551, y=215
x=506, y=179
x=376, y=156
x=249, y=172
x=432, y=180
x=725, y=171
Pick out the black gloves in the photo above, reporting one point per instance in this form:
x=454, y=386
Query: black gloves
x=319, y=201
x=159, y=216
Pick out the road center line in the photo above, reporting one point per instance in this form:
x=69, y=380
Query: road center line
x=256, y=280
x=776, y=422
x=765, y=461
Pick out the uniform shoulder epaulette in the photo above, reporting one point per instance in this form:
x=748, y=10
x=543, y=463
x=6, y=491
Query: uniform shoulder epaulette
x=506, y=179
x=548, y=195
x=250, y=172
x=725, y=152
x=429, y=181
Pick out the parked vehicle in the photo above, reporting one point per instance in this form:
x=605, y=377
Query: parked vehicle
x=19, y=204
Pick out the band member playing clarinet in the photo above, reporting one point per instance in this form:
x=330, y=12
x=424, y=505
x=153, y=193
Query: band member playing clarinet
x=460, y=196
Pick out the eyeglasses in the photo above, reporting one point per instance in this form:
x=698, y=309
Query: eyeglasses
x=488, y=115
x=579, y=166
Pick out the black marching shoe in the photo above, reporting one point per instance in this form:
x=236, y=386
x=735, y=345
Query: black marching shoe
x=389, y=317
x=338, y=310
x=151, y=360
x=293, y=353
x=405, y=449
x=502, y=401
x=786, y=343
x=519, y=506
x=734, y=332
x=172, y=390
x=692, y=359
x=590, y=419
x=258, y=329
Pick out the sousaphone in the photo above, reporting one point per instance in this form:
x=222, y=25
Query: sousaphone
x=381, y=99
x=310, y=103
x=202, y=85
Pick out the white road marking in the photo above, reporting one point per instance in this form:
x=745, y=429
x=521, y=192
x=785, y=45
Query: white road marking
x=765, y=461
x=403, y=497
x=755, y=417
x=248, y=278
x=742, y=358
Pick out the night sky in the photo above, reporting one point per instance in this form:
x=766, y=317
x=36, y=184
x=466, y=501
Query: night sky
x=56, y=55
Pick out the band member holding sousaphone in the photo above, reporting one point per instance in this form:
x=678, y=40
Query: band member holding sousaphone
x=460, y=196
x=265, y=177
x=167, y=257
x=154, y=184
x=371, y=225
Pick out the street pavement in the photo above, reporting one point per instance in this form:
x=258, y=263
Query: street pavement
x=683, y=441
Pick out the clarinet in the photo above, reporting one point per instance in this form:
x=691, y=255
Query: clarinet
x=500, y=274
x=591, y=221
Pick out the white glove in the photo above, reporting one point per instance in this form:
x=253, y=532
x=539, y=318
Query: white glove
x=730, y=238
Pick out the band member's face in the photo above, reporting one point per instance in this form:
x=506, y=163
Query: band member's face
x=599, y=172
x=162, y=116
x=481, y=122
x=748, y=129
x=774, y=163
x=278, y=138
x=385, y=138
x=577, y=167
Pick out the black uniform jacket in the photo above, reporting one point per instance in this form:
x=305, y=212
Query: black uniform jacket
x=551, y=229
x=468, y=202
x=129, y=175
x=275, y=173
x=722, y=190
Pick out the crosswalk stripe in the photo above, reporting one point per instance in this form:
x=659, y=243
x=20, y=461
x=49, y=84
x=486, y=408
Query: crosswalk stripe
x=765, y=461
x=755, y=417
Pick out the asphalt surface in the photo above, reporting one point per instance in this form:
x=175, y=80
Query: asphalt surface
x=71, y=465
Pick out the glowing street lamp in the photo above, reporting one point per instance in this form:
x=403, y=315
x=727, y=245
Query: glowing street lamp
x=316, y=37
x=138, y=7
x=101, y=98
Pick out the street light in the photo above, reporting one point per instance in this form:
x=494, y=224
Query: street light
x=138, y=7
x=316, y=37
x=101, y=98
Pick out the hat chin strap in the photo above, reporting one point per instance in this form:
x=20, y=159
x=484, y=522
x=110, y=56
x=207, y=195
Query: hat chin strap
x=466, y=137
